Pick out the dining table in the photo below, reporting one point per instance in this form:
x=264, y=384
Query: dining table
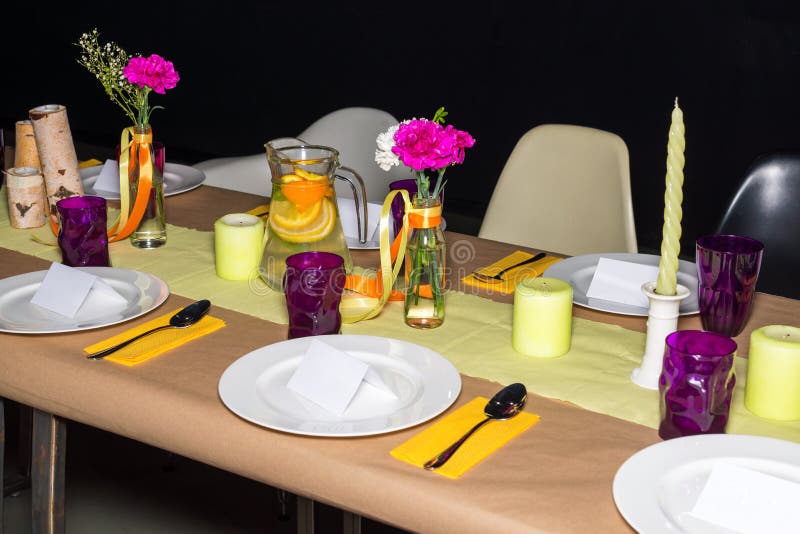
x=556, y=477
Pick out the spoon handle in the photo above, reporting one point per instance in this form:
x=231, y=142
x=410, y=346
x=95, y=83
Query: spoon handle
x=445, y=455
x=106, y=352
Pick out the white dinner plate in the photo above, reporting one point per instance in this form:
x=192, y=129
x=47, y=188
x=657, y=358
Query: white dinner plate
x=578, y=272
x=656, y=488
x=143, y=293
x=177, y=179
x=425, y=383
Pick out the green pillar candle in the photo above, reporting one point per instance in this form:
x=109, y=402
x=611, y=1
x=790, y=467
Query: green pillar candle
x=773, y=373
x=238, y=241
x=542, y=323
x=666, y=284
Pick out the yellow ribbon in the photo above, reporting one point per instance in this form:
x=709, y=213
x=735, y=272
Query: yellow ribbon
x=127, y=223
x=391, y=259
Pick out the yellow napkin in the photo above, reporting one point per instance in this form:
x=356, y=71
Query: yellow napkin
x=437, y=437
x=154, y=344
x=513, y=277
x=89, y=163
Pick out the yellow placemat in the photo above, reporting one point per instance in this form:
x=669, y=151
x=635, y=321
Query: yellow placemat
x=440, y=435
x=514, y=276
x=157, y=343
x=89, y=163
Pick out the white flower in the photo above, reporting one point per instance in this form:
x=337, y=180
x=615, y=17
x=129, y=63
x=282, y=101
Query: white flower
x=384, y=157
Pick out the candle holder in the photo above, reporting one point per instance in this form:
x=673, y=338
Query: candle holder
x=662, y=320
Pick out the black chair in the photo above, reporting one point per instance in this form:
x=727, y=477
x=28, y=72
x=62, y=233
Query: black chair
x=766, y=207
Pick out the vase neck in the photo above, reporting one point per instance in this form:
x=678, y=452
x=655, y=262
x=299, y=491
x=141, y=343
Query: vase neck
x=142, y=134
x=419, y=202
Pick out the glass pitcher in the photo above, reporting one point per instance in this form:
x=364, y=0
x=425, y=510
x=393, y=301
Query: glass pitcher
x=303, y=214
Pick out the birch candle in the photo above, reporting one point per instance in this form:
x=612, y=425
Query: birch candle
x=542, y=323
x=238, y=242
x=773, y=373
x=666, y=284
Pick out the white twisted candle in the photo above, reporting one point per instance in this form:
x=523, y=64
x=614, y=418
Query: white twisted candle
x=673, y=196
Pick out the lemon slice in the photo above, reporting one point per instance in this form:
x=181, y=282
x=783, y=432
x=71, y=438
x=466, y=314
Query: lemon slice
x=316, y=230
x=313, y=177
x=287, y=215
x=289, y=178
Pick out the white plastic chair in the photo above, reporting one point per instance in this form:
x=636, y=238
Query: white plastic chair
x=565, y=189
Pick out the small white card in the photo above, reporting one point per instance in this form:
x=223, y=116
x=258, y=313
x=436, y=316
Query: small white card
x=748, y=501
x=330, y=378
x=621, y=281
x=65, y=289
x=108, y=180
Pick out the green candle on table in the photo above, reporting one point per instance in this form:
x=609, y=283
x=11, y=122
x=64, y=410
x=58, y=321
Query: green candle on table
x=772, y=389
x=542, y=317
x=667, y=281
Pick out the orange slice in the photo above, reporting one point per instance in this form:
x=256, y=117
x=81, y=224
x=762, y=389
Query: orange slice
x=287, y=215
x=310, y=175
x=289, y=178
x=304, y=193
x=317, y=230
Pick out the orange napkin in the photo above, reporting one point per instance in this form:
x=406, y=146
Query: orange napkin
x=154, y=344
x=440, y=435
x=514, y=276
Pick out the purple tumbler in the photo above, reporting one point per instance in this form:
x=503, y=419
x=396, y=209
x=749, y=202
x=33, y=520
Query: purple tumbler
x=313, y=283
x=82, y=235
x=696, y=383
x=727, y=270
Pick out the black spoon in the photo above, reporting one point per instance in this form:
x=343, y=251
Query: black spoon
x=186, y=317
x=504, y=405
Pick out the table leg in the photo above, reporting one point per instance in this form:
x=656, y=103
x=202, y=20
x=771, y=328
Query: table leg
x=351, y=523
x=2, y=458
x=47, y=473
x=305, y=515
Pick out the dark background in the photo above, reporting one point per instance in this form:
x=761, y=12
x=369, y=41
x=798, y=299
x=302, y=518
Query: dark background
x=251, y=71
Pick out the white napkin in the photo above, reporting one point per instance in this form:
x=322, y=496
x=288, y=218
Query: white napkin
x=347, y=214
x=108, y=180
x=65, y=290
x=748, y=502
x=330, y=378
x=621, y=281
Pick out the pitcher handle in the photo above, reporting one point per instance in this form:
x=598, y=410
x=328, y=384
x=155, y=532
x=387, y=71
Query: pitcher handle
x=362, y=221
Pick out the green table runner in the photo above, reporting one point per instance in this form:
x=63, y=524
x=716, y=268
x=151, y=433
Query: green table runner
x=476, y=335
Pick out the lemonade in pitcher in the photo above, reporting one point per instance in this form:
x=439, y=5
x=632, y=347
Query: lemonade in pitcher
x=303, y=214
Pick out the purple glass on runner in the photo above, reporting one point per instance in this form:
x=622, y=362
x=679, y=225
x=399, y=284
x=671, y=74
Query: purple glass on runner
x=727, y=270
x=313, y=283
x=696, y=383
x=82, y=235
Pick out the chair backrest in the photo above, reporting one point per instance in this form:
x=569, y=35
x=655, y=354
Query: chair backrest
x=249, y=174
x=565, y=189
x=765, y=207
x=352, y=131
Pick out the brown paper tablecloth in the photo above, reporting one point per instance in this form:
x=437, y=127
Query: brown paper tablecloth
x=556, y=477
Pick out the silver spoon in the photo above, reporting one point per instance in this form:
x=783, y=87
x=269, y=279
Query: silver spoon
x=184, y=318
x=498, y=276
x=504, y=405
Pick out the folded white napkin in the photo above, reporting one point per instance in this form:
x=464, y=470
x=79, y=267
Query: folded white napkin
x=748, y=502
x=621, y=281
x=330, y=378
x=108, y=179
x=66, y=290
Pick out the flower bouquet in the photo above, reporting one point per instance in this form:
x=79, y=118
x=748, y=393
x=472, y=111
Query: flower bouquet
x=128, y=82
x=424, y=145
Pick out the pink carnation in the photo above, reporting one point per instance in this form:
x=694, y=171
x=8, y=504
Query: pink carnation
x=423, y=144
x=154, y=72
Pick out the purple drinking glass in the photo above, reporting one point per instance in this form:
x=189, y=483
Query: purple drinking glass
x=82, y=235
x=313, y=284
x=696, y=383
x=727, y=270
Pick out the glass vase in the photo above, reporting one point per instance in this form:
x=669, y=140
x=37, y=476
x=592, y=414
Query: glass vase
x=152, y=230
x=425, y=268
